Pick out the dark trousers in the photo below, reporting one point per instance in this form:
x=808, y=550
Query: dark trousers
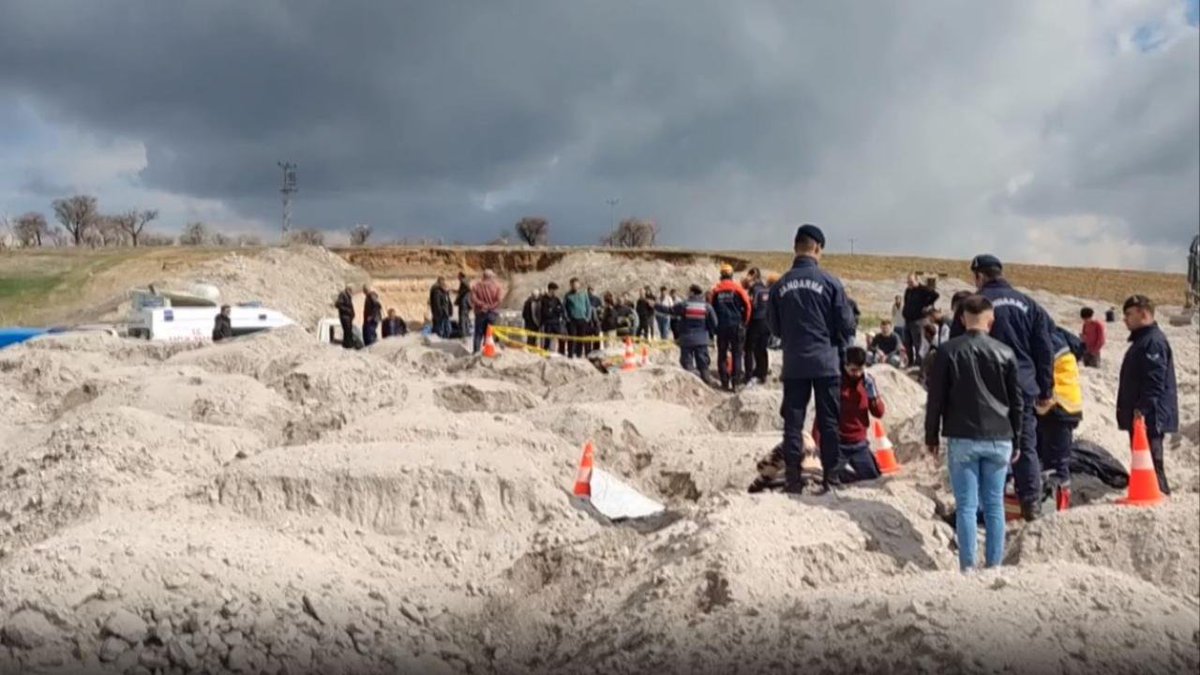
x=913, y=334
x=757, y=338
x=370, y=333
x=645, y=327
x=695, y=359
x=548, y=343
x=464, y=320
x=578, y=328
x=1027, y=470
x=483, y=321
x=857, y=462
x=531, y=340
x=441, y=327
x=1054, y=447
x=796, y=393
x=1156, y=455
x=347, y=331
x=730, y=343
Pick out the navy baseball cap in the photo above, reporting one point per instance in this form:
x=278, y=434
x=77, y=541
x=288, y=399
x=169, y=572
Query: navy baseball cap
x=812, y=232
x=985, y=261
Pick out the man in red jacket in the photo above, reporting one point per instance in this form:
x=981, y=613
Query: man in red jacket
x=860, y=401
x=1093, y=336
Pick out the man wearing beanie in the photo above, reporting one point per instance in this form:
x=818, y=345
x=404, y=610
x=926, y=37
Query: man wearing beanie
x=732, y=305
x=810, y=315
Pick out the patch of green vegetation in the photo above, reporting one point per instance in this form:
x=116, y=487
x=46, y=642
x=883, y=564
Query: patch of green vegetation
x=23, y=295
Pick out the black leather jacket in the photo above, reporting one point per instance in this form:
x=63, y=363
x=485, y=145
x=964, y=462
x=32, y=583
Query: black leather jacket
x=974, y=391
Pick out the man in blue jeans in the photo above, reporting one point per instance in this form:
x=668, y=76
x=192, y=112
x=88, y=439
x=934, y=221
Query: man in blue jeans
x=807, y=310
x=976, y=400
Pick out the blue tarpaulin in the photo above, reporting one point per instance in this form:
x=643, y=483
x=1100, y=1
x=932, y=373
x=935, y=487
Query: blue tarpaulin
x=12, y=336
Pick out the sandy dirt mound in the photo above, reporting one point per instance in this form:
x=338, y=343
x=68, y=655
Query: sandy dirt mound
x=265, y=356
x=1160, y=545
x=669, y=384
x=484, y=396
x=538, y=374
x=750, y=411
x=91, y=458
x=615, y=274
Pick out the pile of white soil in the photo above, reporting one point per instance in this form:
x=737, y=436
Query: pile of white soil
x=275, y=505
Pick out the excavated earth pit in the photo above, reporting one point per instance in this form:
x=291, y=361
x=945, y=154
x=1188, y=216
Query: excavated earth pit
x=276, y=505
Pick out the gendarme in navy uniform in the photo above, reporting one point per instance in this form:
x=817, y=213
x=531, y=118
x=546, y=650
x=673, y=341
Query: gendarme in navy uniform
x=808, y=311
x=1025, y=327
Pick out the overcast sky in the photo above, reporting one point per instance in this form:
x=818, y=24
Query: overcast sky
x=1064, y=131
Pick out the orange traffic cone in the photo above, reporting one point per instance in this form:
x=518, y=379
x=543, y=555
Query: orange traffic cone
x=489, y=344
x=630, y=363
x=645, y=356
x=885, y=455
x=583, y=480
x=1143, y=481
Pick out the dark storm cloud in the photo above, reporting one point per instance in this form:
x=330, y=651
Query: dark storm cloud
x=458, y=116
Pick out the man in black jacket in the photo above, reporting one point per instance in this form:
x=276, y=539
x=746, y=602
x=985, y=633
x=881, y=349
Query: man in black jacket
x=463, y=301
x=1147, y=388
x=1025, y=327
x=393, y=325
x=553, y=318
x=223, y=324
x=916, y=298
x=531, y=315
x=372, y=316
x=441, y=308
x=345, y=310
x=975, y=399
x=758, y=334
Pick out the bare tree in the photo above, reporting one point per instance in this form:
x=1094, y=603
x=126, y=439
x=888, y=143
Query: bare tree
x=133, y=223
x=632, y=233
x=533, y=230
x=308, y=237
x=108, y=231
x=359, y=234
x=77, y=214
x=59, y=237
x=194, y=234
x=248, y=240
x=31, y=228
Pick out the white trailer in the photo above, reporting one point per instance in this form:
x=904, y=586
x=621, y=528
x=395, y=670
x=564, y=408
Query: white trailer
x=195, y=324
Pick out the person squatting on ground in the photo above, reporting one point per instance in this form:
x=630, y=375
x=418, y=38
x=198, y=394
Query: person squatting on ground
x=758, y=334
x=1056, y=423
x=531, y=315
x=1147, y=388
x=976, y=401
x=580, y=316
x=552, y=318
x=486, y=296
x=732, y=305
x=917, y=297
x=807, y=311
x=859, y=401
x=345, y=310
x=441, y=308
x=223, y=324
x=372, y=316
x=1094, y=334
x=393, y=325
x=697, y=324
x=886, y=346
x=1025, y=327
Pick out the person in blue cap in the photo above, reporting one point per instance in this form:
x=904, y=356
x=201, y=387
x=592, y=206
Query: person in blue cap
x=809, y=313
x=1025, y=327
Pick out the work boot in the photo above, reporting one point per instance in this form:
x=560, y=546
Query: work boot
x=1063, y=498
x=794, y=488
x=1031, y=511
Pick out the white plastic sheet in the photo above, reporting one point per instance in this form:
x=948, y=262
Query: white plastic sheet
x=617, y=500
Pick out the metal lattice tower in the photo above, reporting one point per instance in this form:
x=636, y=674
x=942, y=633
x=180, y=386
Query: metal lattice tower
x=288, y=189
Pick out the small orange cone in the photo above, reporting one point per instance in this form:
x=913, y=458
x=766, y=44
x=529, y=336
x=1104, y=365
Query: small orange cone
x=583, y=480
x=885, y=455
x=645, y=356
x=630, y=360
x=1143, y=481
x=489, y=344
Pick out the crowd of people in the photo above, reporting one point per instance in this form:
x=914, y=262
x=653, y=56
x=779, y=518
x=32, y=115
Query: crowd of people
x=1002, y=378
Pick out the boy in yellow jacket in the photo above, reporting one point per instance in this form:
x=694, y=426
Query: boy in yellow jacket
x=1057, y=422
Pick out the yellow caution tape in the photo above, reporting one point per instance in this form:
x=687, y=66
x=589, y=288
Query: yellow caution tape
x=512, y=334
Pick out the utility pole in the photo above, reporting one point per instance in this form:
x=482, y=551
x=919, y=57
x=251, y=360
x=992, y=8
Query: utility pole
x=288, y=189
x=612, y=208
x=852, y=240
